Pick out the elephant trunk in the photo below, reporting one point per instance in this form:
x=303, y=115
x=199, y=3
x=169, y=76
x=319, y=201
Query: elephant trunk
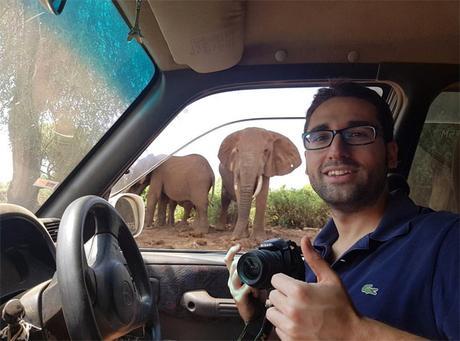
x=246, y=180
x=244, y=207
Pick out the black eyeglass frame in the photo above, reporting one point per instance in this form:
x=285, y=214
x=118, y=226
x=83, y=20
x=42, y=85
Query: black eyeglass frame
x=339, y=131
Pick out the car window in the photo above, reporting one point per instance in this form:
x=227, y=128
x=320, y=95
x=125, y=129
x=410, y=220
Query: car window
x=435, y=171
x=64, y=81
x=293, y=209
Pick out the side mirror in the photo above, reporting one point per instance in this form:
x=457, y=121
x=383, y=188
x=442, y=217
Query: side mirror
x=131, y=208
x=53, y=6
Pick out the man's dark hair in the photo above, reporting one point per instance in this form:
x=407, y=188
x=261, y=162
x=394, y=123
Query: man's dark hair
x=355, y=90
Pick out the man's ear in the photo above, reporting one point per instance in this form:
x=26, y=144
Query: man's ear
x=392, y=155
x=306, y=163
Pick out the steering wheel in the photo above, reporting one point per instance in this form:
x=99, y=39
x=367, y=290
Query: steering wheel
x=105, y=291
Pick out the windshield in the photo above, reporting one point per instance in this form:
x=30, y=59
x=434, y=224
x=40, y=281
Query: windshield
x=64, y=81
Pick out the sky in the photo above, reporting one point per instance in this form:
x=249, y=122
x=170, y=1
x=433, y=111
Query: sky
x=215, y=110
x=212, y=111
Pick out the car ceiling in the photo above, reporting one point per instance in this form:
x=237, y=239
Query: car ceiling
x=209, y=36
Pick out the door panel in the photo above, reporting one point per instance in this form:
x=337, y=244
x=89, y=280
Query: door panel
x=207, y=312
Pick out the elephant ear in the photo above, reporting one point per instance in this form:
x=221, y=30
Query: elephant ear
x=227, y=150
x=284, y=157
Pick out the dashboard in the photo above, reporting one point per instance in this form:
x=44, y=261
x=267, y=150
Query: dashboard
x=27, y=252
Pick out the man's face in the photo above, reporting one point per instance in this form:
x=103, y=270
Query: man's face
x=344, y=176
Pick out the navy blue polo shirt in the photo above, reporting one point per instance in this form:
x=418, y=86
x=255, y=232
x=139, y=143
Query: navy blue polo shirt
x=406, y=272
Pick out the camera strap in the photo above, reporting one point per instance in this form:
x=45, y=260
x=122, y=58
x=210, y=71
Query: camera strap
x=256, y=330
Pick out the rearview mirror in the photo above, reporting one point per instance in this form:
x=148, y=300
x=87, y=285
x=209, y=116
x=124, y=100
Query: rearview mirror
x=131, y=208
x=53, y=6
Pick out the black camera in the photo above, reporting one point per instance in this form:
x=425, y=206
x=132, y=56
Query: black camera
x=256, y=267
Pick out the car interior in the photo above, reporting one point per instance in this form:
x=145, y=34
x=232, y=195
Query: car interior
x=72, y=261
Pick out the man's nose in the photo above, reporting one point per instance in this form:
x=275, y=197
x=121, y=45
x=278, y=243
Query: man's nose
x=338, y=148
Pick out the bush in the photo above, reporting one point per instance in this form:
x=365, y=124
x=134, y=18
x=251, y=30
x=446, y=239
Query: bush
x=291, y=208
x=295, y=208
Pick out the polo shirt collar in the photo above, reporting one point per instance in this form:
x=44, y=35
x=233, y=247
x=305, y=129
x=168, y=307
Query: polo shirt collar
x=399, y=208
x=327, y=235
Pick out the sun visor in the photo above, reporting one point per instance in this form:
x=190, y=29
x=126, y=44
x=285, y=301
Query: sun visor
x=207, y=36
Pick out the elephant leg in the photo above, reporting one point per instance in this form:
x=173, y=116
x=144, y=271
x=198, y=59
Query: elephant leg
x=172, y=209
x=153, y=195
x=201, y=224
x=224, y=204
x=161, y=218
x=258, y=230
x=187, y=211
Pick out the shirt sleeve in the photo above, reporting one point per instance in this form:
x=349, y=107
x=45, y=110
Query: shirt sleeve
x=446, y=283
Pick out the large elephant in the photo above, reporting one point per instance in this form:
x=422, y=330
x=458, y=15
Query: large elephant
x=185, y=180
x=249, y=157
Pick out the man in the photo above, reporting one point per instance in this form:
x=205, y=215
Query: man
x=382, y=267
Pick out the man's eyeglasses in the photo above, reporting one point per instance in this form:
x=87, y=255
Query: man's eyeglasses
x=354, y=136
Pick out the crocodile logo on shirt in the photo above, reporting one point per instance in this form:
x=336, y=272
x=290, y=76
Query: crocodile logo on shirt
x=369, y=289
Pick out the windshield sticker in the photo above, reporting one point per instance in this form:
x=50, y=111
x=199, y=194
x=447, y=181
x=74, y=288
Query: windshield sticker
x=44, y=183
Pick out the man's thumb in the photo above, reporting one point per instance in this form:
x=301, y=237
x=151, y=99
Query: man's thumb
x=318, y=265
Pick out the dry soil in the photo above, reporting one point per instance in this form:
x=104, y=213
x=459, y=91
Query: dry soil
x=183, y=236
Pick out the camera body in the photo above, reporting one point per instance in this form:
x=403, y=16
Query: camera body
x=256, y=267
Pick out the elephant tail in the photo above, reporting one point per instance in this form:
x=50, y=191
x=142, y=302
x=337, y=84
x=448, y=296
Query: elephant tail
x=212, y=192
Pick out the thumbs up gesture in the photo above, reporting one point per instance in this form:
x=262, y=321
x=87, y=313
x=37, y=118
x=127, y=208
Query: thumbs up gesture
x=312, y=311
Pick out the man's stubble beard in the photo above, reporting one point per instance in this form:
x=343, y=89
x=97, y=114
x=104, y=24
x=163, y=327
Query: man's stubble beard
x=351, y=197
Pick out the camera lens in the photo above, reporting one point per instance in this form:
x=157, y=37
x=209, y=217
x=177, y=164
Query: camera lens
x=252, y=267
x=257, y=267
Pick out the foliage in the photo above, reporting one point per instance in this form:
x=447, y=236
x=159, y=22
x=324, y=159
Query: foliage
x=291, y=208
x=294, y=208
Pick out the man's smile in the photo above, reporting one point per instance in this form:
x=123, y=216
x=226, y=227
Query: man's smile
x=338, y=172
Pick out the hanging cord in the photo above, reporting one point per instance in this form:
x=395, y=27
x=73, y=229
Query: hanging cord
x=264, y=331
x=136, y=31
x=244, y=331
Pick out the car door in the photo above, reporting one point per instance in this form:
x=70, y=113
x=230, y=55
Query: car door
x=193, y=299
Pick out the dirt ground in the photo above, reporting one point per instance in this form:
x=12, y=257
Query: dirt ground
x=183, y=236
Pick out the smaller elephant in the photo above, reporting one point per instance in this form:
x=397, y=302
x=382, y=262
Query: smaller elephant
x=165, y=204
x=248, y=158
x=185, y=180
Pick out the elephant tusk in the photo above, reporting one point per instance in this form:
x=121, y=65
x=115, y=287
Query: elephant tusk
x=235, y=187
x=259, y=186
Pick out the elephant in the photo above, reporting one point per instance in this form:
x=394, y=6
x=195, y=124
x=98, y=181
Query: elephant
x=248, y=158
x=185, y=180
x=164, y=203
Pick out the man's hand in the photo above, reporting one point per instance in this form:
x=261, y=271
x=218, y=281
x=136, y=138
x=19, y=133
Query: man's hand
x=313, y=311
x=249, y=301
